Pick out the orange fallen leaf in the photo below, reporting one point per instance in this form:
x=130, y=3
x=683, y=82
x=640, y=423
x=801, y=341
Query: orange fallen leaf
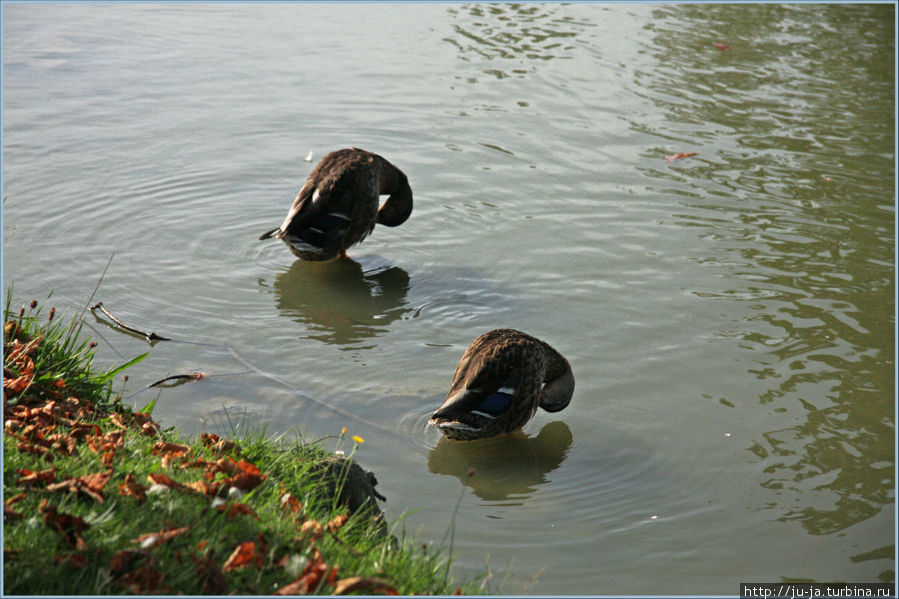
x=133, y=488
x=15, y=499
x=312, y=529
x=309, y=581
x=25, y=447
x=158, y=478
x=89, y=484
x=166, y=447
x=116, y=419
x=63, y=443
x=360, y=583
x=202, y=487
x=246, y=478
x=242, y=556
x=42, y=476
x=69, y=526
x=290, y=503
x=21, y=382
x=109, y=442
x=233, y=510
x=216, y=443
x=680, y=156
x=154, y=539
x=338, y=521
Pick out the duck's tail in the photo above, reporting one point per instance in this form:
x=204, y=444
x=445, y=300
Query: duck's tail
x=269, y=234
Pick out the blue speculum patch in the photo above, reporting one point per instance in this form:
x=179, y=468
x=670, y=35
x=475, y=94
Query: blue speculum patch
x=317, y=232
x=495, y=403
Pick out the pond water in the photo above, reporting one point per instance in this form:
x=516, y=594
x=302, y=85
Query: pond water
x=729, y=316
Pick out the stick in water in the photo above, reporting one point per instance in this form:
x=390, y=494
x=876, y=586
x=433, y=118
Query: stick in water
x=182, y=378
x=149, y=336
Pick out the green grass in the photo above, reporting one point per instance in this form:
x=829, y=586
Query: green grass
x=43, y=556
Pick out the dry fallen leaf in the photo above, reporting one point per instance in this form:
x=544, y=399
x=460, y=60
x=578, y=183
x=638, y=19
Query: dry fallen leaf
x=133, y=488
x=202, y=487
x=154, y=539
x=158, y=478
x=166, y=447
x=311, y=578
x=15, y=499
x=313, y=529
x=680, y=156
x=360, y=583
x=233, y=510
x=246, y=478
x=42, y=476
x=89, y=484
x=242, y=556
x=69, y=526
x=338, y=521
x=291, y=503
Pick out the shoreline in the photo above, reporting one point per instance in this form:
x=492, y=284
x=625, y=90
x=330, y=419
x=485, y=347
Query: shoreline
x=100, y=499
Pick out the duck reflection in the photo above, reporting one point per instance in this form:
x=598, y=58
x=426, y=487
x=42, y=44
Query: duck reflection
x=342, y=302
x=509, y=465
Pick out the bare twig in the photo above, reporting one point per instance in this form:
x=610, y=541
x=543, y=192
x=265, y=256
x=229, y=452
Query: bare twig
x=181, y=378
x=150, y=337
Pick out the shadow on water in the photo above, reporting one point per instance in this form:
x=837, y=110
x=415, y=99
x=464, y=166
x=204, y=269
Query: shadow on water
x=806, y=259
x=508, y=466
x=342, y=302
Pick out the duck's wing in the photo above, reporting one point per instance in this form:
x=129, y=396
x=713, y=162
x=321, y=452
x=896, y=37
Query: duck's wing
x=313, y=202
x=327, y=190
x=484, y=385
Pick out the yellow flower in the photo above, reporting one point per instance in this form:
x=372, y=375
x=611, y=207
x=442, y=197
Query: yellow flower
x=358, y=439
x=343, y=431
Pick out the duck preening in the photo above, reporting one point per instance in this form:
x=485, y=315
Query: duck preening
x=501, y=380
x=338, y=205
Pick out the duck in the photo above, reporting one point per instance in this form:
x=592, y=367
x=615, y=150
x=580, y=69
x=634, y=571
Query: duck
x=337, y=207
x=500, y=381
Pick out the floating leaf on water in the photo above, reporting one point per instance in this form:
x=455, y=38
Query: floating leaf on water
x=680, y=156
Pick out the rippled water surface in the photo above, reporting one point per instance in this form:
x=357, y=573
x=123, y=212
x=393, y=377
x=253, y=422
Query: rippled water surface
x=729, y=316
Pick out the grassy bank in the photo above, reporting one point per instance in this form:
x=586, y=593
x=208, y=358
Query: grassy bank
x=100, y=499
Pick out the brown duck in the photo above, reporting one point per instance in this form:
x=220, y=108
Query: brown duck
x=502, y=378
x=338, y=205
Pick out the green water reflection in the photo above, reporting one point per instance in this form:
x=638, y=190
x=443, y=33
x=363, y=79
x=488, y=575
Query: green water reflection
x=504, y=467
x=339, y=302
x=792, y=189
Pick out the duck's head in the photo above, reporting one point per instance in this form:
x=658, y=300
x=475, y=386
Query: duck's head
x=396, y=209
